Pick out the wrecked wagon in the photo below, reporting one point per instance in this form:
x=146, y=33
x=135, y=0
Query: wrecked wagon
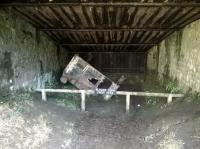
x=85, y=77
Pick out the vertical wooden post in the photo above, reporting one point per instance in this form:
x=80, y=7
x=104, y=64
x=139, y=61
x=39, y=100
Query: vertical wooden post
x=44, y=96
x=127, y=103
x=169, y=99
x=82, y=100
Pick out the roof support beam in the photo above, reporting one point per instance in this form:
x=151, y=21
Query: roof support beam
x=128, y=4
x=108, y=29
x=105, y=52
x=108, y=44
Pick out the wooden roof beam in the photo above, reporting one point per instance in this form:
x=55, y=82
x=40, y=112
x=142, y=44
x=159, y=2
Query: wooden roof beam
x=105, y=52
x=108, y=44
x=128, y=4
x=108, y=29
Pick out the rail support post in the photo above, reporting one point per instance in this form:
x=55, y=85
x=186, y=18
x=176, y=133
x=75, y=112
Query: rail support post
x=127, y=103
x=82, y=100
x=169, y=99
x=44, y=96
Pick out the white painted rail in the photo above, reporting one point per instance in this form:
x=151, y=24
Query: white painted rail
x=125, y=93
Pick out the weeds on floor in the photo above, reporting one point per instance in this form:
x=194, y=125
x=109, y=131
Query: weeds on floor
x=15, y=99
x=152, y=101
x=172, y=87
x=68, y=100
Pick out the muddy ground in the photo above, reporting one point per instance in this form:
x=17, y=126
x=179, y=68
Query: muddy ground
x=27, y=122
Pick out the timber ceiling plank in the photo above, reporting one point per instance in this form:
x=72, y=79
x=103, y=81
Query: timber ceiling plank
x=67, y=16
x=169, y=16
x=152, y=36
x=153, y=15
x=181, y=16
x=145, y=37
x=132, y=13
x=86, y=16
x=194, y=15
x=158, y=18
x=30, y=19
x=75, y=12
x=120, y=23
x=60, y=20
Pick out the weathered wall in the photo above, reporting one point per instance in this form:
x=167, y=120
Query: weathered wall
x=179, y=57
x=115, y=62
x=26, y=58
x=152, y=59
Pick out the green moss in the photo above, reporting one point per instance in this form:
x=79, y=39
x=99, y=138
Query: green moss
x=178, y=45
x=167, y=55
x=172, y=87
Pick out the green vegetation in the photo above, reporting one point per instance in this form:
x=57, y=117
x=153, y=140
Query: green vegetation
x=15, y=100
x=172, y=87
x=71, y=101
x=152, y=100
x=178, y=45
x=49, y=80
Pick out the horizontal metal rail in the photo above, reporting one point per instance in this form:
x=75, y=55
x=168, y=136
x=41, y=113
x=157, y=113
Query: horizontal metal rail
x=125, y=93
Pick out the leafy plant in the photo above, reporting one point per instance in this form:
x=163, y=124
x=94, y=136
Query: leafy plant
x=69, y=100
x=151, y=101
x=172, y=87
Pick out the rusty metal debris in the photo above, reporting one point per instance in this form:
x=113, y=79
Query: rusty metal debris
x=85, y=77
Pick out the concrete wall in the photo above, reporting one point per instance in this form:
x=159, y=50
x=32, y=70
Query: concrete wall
x=26, y=58
x=179, y=58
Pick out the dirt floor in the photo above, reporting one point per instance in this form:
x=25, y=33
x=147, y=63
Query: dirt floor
x=27, y=122
x=36, y=124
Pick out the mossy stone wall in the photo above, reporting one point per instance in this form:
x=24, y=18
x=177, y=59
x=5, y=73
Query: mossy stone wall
x=26, y=55
x=178, y=57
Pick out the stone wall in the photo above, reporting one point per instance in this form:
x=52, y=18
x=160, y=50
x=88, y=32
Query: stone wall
x=28, y=59
x=179, y=58
x=152, y=59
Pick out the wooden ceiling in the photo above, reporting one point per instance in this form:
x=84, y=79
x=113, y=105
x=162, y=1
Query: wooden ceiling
x=106, y=26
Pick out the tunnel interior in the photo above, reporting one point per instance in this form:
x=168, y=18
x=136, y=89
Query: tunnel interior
x=112, y=37
x=147, y=46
